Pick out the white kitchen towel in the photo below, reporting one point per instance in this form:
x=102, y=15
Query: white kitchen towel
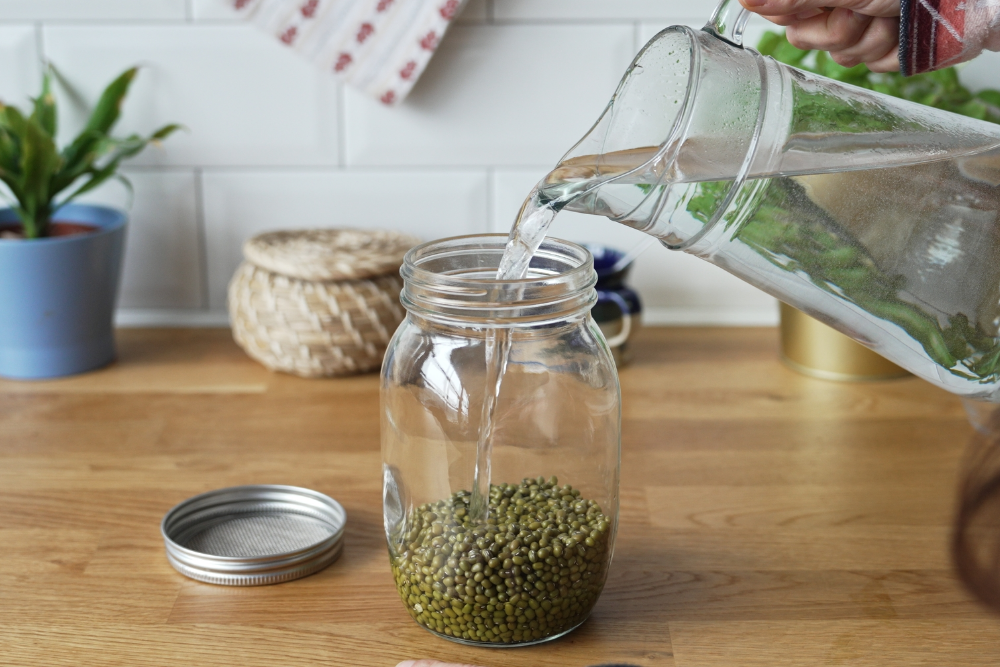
x=378, y=46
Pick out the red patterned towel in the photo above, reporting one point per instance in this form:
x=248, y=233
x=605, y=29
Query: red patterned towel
x=378, y=46
x=934, y=34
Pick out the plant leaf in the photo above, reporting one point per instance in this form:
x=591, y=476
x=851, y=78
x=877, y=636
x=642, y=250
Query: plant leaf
x=44, y=112
x=14, y=126
x=115, y=151
x=768, y=42
x=108, y=149
x=102, y=119
x=9, y=153
x=39, y=159
x=97, y=177
x=990, y=97
x=165, y=132
x=786, y=53
x=109, y=106
x=78, y=161
x=39, y=162
x=973, y=109
x=128, y=186
x=13, y=121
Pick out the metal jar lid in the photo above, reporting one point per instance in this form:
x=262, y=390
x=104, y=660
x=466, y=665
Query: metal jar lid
x=253, y=535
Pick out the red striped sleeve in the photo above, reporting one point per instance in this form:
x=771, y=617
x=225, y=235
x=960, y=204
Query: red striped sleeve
x=934, y=34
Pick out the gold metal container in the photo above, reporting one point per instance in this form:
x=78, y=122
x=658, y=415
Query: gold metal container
x=812, y=348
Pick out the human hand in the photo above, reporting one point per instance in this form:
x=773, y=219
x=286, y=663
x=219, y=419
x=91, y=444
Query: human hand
x=853, y=31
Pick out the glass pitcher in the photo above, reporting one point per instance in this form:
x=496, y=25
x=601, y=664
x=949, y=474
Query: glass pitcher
x=533, y=570
x=875, y=215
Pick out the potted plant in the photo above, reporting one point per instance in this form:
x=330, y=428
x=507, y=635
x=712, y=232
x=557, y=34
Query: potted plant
x=60, y=262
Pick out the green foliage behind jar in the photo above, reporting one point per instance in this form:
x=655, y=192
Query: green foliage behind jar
x=36, y=172
x=940, y=89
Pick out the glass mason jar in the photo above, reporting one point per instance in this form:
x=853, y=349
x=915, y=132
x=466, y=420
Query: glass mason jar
x=532, y=569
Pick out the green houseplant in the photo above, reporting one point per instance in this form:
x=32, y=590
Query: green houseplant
x=36, y=172
x=60, y=262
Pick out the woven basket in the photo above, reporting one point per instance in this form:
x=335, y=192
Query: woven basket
x=318, y=303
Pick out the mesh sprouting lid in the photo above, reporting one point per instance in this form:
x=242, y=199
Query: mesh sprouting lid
x=253, y=535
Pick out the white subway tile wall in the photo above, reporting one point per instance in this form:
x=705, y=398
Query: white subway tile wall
x=426, y=203
x=19, y=63
x=272, y=142
x=163, y=265
x=213, y=10
x=92, y=10
x=752, y=33
x=494, y=95
x=244, y=98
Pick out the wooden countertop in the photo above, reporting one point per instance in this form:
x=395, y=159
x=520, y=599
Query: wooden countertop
x=767, y=518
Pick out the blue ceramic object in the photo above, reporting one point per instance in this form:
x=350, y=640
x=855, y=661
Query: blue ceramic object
x=615, y=299
x=57, y=296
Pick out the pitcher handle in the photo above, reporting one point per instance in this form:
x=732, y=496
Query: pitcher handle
x=727, y=22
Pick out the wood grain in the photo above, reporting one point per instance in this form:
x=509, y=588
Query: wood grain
x=767, y=518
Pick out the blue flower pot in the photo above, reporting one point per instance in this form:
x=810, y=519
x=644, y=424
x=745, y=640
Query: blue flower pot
x=57, y=296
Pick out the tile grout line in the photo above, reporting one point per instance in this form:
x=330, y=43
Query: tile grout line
x=199, y=214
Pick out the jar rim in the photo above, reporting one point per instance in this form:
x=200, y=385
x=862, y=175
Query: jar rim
x=451, y=279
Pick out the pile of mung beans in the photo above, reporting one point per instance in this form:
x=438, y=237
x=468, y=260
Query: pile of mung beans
x=533, y=569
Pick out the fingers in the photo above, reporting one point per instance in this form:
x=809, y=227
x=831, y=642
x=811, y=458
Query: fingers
x=772, y=8
x=888, y=63
x=429, y=663
x=879, y=39
x=853, y=31
x=794, y=18
x=851, y=38
x=830, y=31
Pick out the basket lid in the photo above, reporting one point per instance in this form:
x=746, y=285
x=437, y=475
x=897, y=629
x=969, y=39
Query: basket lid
x=329, y=254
